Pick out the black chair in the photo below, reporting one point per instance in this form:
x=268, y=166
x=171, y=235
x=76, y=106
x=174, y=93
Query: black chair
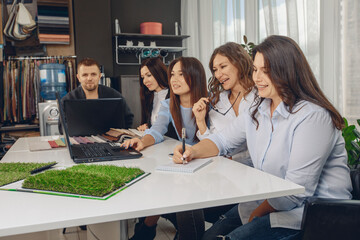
x=331, y=218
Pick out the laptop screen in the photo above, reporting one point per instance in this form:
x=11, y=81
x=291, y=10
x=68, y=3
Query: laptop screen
x=93, y=116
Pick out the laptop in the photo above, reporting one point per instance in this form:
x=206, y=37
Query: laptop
x=92, y=117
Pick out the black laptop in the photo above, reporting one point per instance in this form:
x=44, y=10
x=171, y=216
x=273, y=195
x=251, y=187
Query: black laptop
x=93, y=117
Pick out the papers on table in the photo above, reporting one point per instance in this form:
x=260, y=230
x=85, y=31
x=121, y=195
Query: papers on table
x=189, y=167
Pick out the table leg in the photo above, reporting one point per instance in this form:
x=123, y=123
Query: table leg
x=124, y=230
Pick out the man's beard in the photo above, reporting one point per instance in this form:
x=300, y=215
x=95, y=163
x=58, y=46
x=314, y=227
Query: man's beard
x=90, y=88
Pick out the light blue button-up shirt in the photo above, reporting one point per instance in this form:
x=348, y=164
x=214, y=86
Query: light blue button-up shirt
x=160, y=127
x=303, y=147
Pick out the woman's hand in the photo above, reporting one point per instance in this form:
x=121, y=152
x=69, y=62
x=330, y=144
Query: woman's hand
x=263, y=209
x=142, y=127
x=135, y=143
x=180, y=157
x=200, y=108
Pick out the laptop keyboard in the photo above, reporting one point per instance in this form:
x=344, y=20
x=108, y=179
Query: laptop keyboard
x=92, y=150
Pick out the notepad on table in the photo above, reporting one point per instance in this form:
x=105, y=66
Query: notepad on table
x=190, y=167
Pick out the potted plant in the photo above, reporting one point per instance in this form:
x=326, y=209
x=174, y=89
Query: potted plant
x=248, y=46
x=352, y=143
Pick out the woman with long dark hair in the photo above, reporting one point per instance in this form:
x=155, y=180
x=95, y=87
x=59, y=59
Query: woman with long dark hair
x=154, y=88
x=292, y=131
x=187, y=83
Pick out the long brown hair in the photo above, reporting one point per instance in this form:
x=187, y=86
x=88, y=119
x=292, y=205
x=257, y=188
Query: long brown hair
x=241, y=60
x=158, y=70
x=194, y=75
x=292, y=76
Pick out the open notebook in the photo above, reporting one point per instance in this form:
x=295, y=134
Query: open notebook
x=190, y=167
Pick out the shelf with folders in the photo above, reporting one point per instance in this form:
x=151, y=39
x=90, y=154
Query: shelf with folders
x=124, y=45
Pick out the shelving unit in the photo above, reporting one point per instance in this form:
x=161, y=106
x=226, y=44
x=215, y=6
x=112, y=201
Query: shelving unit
x=17, y=127
x=165, y=44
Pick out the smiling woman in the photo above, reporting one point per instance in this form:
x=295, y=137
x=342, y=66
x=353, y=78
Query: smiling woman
x=153, y=89
x=264, y=85
x=187, y=85
x=281, y=142
x=230, y=93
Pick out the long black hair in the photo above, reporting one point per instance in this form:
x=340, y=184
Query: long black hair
x=158, y=70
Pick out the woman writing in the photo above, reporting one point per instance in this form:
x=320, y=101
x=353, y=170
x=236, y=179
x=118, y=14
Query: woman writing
x=290, y=117
x=153, y=89
x=231, y=94
x=187, y=83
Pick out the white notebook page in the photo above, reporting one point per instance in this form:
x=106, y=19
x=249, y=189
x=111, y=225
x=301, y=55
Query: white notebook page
x=189, y=167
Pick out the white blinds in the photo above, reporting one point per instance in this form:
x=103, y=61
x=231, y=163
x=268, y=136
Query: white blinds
x=351, y=59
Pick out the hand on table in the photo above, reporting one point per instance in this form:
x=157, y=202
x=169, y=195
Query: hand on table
x=135, y=143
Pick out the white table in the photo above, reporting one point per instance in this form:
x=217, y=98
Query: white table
x=222, y=182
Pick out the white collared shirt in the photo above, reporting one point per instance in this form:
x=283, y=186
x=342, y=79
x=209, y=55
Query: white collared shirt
x=218, y=122
x=158, y=97
x=304, y=147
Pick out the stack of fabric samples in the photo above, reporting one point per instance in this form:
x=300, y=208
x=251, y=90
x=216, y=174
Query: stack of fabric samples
x=53, y=22
x=118, y=135
x=113, y=135
x=47, y=145
x=88, y=139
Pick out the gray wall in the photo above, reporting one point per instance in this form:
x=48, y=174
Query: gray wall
x=94, y=29
x=93, y=36
x=132, y=13
x=94, y=26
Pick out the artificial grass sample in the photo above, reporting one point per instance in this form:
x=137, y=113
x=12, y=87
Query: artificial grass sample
x=119, y=175
x=9, y=177
x=23, y=167
x=70, y=182
x=12, y=172
x=92, y=180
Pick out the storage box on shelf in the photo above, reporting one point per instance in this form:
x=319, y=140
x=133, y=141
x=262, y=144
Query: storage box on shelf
x=141, y=46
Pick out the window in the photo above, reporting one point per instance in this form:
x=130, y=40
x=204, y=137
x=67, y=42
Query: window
x=299, y=20
x=350, y=49
x=228, y=21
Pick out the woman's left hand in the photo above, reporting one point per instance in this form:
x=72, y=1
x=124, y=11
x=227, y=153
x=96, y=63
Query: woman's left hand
x=263, y=209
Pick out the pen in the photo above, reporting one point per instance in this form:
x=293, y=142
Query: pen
x=183, y=136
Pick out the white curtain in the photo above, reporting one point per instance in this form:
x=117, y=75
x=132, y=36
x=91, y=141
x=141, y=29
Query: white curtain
x=197, y=22
x=351, y=59
x=228, y=21
x=328, y=32
x=299, y=20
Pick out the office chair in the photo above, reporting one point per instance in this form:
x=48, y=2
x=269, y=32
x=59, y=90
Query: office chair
x=332, y=218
